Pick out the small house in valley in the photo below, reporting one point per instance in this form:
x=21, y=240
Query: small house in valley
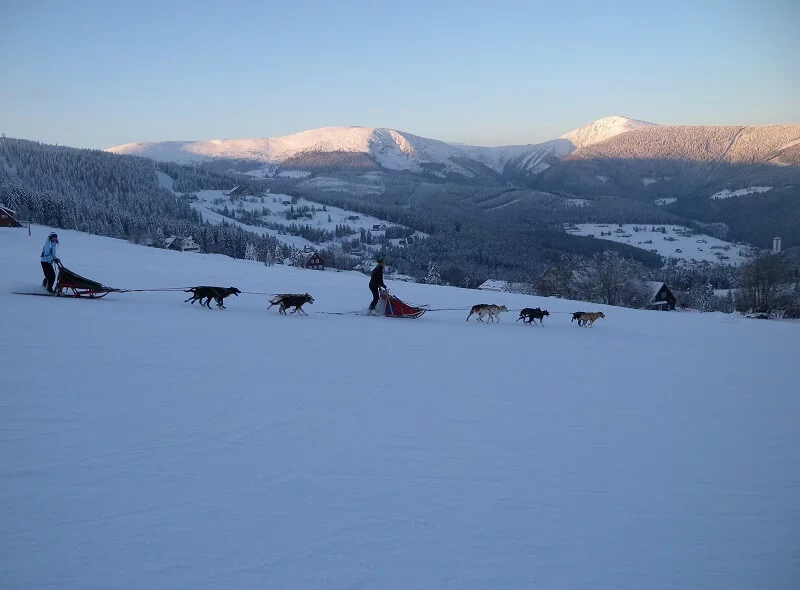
x=315, y=262
x=239, y=192
x=661, y=297
x=186, y=244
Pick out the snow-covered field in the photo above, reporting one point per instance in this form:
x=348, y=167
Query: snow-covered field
x=677, y=242
x=664, y=201
x=150, y=443
x=742, y=192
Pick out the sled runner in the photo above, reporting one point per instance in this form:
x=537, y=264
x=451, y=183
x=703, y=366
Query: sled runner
x=391, y=307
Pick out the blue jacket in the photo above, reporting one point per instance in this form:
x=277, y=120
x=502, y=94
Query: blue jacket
x=49, y=251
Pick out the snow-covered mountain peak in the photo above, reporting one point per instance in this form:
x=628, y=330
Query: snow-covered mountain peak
x=602, y=129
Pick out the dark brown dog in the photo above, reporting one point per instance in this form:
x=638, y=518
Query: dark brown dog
x=209, y=293
x=286, y=300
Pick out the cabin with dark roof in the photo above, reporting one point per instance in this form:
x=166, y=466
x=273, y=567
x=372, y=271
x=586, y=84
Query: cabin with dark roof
x=661, y=297
x=315, y=262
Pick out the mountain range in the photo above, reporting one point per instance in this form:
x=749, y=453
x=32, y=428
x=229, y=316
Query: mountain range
x=364, y=149
x=743, y=180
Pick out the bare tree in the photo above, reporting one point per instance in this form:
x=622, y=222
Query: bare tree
x=611, y=279
x=762, y=282
x=558, y=279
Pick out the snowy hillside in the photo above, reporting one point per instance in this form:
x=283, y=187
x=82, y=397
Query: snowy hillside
x=670, y=241
x=516, y=159
x=742, y=192
x=149, y=443
x=602, y=129
x=278, y=213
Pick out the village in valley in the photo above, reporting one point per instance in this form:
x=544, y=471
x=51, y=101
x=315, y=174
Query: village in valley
x=677, y=244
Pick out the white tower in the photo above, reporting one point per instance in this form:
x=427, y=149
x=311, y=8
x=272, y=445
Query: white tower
x=776, y=245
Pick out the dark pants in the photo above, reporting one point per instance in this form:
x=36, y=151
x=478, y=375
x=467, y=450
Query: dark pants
x=49, y=275
x=375, y=297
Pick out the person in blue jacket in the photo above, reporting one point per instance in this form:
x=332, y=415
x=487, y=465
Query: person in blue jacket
x=49, y=256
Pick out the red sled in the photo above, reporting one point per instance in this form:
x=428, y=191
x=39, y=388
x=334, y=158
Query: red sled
x=392, y=307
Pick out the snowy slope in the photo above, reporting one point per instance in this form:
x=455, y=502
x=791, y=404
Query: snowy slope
x=272, y=208
x=742, y=192
x=515, y=159
x=148, y=443
x=602, y=129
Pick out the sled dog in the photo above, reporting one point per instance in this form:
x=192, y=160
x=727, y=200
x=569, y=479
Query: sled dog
x=209, y=293
x=589, y=318
x=576, y=315
x=485, y=309
x=530, y=315
x=287, y=300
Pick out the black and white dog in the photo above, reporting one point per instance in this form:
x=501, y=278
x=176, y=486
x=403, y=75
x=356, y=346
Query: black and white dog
x=209, y=293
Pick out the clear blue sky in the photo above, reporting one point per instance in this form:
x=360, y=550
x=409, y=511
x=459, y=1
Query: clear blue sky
x=105, y=72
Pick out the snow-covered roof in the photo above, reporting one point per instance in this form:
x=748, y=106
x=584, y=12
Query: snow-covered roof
x=654, y=287
x=7, y=209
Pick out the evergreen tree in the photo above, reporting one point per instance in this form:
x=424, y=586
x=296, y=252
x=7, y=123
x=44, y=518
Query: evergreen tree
x=433, y=277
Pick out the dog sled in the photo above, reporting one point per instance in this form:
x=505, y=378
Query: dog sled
x=391, y=307
x=70, y=284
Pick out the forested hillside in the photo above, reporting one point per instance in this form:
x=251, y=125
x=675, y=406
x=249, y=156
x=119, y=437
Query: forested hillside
x=110, y=195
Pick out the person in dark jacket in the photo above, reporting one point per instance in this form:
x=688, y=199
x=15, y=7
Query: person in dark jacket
x=48, y=257
x=376, y=282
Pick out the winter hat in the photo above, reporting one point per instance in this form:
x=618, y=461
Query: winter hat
x=53, y=235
